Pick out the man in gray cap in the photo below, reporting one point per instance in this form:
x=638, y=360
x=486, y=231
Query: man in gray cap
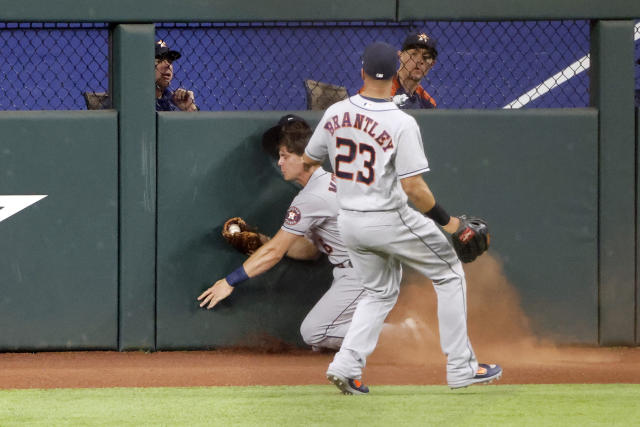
x=167, y=100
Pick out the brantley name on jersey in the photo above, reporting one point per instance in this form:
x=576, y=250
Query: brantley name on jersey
x=363, y=123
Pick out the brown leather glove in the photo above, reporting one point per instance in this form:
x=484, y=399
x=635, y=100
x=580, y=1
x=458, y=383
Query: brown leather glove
x=244, y=238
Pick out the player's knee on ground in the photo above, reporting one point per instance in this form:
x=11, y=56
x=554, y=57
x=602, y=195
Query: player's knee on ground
x=311, y=333
x=315, y=335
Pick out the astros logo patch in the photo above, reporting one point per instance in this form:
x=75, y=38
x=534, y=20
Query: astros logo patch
x=293, y=216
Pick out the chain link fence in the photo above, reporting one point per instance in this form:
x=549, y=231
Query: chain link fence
x=49, y=66
x=263, y=66
x=284, y=65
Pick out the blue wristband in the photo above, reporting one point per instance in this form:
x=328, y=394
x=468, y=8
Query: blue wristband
x=237, y=276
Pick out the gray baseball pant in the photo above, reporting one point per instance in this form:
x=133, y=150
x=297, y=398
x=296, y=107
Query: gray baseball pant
x=378, y=243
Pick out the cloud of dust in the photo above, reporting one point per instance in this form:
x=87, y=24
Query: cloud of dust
x=498, y=328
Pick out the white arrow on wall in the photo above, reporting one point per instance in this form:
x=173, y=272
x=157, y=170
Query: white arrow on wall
x=11, y=205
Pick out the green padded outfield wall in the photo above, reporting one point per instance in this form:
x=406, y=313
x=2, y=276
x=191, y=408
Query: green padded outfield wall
x=211, y=167
x=532, y=174
x=79, y=284
x=612, y=92
x=133, y=94
x=58, y=282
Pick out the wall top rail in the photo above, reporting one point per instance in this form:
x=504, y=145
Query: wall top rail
x=489, y=10
x=149, y=11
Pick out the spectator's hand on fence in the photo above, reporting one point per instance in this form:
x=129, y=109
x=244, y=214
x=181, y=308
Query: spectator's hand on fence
x=184, y=100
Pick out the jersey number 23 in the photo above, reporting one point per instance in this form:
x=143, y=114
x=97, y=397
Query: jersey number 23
x=344, y=160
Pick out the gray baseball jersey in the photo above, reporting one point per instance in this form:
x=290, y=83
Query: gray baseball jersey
x=313, y=214
x=372, y=146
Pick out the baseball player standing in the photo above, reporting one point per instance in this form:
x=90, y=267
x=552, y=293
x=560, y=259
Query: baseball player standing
x=310, y=217
x=378, y=157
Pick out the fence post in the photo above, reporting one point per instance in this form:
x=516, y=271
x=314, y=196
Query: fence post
x=612, y=92
x=134, y=98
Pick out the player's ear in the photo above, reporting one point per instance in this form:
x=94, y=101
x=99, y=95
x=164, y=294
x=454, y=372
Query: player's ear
x=362, y=73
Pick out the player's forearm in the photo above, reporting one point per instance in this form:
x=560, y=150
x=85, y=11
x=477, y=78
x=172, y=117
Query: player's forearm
x=263, y=260
x=418, y=193
x=303, y=249
x=270, y=253
x=424, y=201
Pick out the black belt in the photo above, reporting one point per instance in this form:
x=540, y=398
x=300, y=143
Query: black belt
x=344, y=264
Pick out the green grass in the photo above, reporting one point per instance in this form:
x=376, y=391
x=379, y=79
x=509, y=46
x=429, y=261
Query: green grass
x=515, y=405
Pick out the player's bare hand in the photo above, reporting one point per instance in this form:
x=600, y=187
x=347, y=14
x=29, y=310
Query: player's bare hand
x=184, y=99
x=216, y=293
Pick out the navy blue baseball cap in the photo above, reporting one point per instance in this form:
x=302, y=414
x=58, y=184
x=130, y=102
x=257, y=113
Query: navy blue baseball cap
x=163, y=52
x=380, y=61
x=271, y=138
x=420, y=40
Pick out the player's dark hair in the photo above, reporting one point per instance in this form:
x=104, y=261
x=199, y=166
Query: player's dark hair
x=294, y=137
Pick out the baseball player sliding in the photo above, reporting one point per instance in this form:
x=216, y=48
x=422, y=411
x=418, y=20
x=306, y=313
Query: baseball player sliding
x=378, y=158
x=310, y=217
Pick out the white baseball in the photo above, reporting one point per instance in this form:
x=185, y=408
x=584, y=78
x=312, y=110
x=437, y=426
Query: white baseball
x=234, y=228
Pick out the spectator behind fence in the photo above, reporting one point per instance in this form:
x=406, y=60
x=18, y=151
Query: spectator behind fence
x=417, y=57
x=166, y=100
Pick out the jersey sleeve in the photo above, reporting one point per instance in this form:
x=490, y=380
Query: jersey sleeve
x=410, y=157
x=318, y=146
x=301, y=215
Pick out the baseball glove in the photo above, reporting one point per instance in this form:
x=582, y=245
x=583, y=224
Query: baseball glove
x=246, y=240
x=471, y=239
